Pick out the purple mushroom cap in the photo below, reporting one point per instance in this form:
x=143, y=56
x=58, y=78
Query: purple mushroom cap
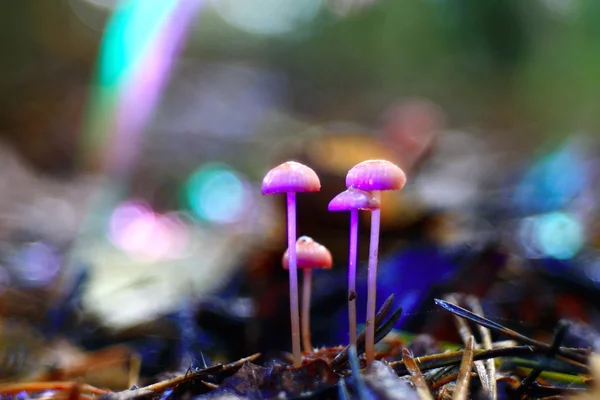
x=290, y=177
x=376, y=175
x=354, y=199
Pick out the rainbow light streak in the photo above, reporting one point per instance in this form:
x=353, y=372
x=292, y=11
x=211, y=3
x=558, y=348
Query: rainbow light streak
x=140, y=44
x=141, y=41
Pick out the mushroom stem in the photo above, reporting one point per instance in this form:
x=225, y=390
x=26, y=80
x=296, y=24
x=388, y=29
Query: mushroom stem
x=352, y=275
x=372, y=288
x=306, y=289
x=291, y=220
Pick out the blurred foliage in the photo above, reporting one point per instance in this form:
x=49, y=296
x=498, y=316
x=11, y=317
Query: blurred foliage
x=506, y=64
x=503, y=66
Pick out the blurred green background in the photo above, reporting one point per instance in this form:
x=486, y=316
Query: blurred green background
x=522, y=70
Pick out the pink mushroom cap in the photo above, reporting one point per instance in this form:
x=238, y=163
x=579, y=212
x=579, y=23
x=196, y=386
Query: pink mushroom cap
x=376, y=175
x=290, y=176
x=354, y=199
x=310, y=254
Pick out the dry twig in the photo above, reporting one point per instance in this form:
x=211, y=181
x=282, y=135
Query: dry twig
x=464, y=374
x=417, y=376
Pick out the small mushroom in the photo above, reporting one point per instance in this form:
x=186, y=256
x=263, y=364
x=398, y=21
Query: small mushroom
x=291, y=177
x=374, y=176
x=353, y=200
x=310, y=254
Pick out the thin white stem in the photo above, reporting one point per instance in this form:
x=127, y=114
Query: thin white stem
x=352, y=275
x=306, y=289
x=292, y=263
x=372, y=291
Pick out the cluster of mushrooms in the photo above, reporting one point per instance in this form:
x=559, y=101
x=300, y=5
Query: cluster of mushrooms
x=364, y=182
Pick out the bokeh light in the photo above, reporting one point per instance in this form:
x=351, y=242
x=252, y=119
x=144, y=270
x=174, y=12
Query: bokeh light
x=559, y=235
x=217, y=194
x=147, y=236
x=553, y=181
x=267, y=17
x=127, y=213
x=36, y=264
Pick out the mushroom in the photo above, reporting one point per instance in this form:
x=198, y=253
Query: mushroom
x=291, y=177
x=353, y=200
x=310, y=254
x=374, y=176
